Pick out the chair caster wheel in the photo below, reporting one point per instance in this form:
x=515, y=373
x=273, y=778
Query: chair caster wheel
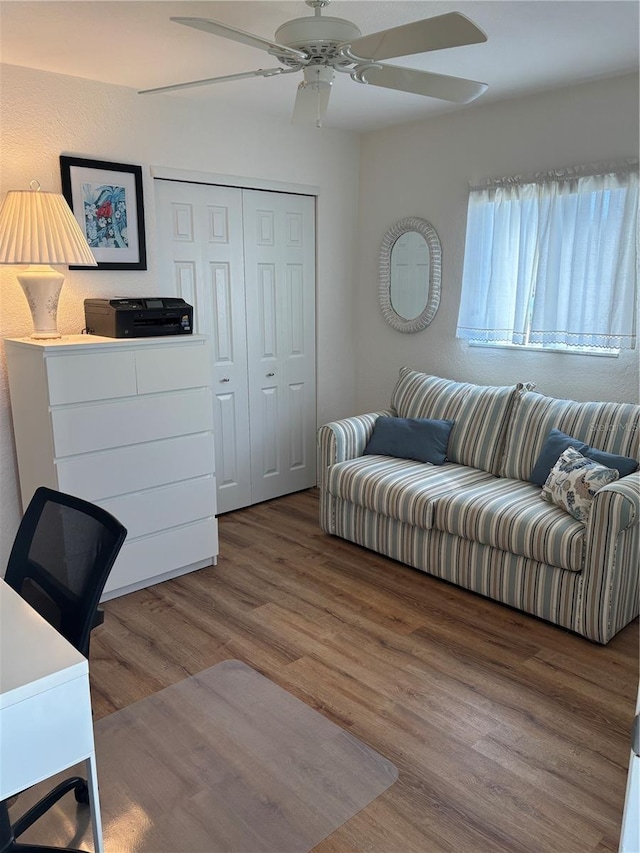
x=81, y=793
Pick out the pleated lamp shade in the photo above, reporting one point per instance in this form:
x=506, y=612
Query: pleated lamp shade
x=39, y=228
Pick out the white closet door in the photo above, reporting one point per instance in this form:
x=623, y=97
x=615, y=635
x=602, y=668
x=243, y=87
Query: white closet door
x=200, y=248
x=279, y=238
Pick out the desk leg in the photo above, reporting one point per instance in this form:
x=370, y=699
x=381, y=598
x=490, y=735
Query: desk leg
x=94, y=800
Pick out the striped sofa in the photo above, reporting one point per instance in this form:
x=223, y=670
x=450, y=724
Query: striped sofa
x=476, y=521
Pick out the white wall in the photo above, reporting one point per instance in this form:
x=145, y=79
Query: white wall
x=45, y=115
x=421, y=169
x=424, y=169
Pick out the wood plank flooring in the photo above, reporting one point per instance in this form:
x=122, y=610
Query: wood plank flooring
x=510, y=735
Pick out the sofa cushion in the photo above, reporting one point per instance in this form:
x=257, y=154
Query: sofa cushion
x=573, y=482
x=421, y=439
x=509, y=515
x=554, y=446
x=481, y=414
x=622, y=464
x=612, y=427
x=399, y=488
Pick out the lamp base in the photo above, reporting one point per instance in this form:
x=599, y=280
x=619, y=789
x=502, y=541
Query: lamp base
x=42, y=285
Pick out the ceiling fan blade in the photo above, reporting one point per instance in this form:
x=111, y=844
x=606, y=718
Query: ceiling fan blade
x=234, y=34
x=450, y=30
x=261, y=72
x=441, y=86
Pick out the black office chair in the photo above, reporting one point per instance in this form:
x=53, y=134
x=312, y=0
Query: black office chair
x=63, y=552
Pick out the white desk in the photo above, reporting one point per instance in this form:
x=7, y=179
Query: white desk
x=630, y=832
x=45, y=706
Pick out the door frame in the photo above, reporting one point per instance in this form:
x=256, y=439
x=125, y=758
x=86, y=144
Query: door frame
x=195, y=177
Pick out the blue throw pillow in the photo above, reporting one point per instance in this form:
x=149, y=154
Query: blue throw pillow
x=622, y=464
x=554, y=446
x=557, y=442
x=422, y=439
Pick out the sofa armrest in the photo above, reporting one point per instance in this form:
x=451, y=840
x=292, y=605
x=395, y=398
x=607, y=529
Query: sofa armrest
x=337, y=442
x=610, y=582
x=616, y=506
x=346, y=439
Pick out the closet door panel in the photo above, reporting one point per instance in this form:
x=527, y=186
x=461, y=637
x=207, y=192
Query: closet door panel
x=232, y=477
x=224, y=283
x=280, y=282
x=246, y=260
x=204, y=262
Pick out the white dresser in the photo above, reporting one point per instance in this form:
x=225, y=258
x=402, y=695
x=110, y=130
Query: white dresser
x=126, y=424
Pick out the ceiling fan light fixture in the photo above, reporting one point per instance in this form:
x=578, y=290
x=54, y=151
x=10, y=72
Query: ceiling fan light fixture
x=313, y=94
x=319, y=76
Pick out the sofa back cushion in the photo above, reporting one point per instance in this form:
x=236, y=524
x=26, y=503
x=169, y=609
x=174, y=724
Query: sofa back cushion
x=480, y=414
x=612, y=427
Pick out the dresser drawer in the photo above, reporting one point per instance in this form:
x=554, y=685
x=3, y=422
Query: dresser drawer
x=143, y=559
x=172, y=367
x=81, y=377
x=130, y=469
x=159, y=509
x=82, y=429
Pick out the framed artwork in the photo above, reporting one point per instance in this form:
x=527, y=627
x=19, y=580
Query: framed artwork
x=106, y=199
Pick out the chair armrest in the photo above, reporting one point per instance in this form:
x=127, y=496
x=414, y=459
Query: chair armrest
x=346, y=439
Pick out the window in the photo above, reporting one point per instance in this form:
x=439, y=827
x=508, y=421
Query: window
x=551, y=261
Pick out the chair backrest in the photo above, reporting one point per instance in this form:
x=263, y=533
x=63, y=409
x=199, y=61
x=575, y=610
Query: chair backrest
x=61, y=558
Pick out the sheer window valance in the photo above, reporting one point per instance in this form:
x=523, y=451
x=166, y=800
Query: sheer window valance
x=551, y=260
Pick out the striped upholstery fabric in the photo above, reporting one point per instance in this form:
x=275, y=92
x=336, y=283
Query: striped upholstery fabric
x=613, y=427
x=610, y=595
x=481, y=414
x=337, y=442
x=490, y=535
x=596, y=602
x=545, y=591
x=400, y=488
x=509, y=515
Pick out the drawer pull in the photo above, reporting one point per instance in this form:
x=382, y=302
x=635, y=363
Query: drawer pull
x=225, y=380
x=270, y=374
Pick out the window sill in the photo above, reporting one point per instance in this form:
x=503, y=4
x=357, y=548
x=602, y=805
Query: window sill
x=533, y=348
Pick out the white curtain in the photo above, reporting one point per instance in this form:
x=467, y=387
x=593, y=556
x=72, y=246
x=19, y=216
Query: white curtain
x=552, y=261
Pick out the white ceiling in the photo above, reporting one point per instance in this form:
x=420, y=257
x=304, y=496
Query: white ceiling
x=532, y=45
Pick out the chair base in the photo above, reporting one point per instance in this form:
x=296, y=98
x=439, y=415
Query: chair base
x=9, y=833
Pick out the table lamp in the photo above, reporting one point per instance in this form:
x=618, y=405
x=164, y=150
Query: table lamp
x=39, y=229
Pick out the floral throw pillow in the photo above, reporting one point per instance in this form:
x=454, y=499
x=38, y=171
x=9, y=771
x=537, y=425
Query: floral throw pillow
x=573, y=482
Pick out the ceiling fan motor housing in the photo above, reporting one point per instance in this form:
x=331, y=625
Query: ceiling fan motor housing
x=318, y=37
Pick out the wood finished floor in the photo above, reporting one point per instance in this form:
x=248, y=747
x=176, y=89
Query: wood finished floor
x=509, y=734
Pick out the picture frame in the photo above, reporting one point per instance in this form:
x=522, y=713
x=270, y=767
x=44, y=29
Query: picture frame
x=106, y=200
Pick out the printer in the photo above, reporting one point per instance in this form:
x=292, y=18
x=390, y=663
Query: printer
x=133, y=317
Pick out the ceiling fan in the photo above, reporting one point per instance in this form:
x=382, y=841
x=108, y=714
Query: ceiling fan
x=320, y=46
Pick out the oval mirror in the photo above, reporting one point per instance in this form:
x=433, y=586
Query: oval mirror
x=410, y=267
